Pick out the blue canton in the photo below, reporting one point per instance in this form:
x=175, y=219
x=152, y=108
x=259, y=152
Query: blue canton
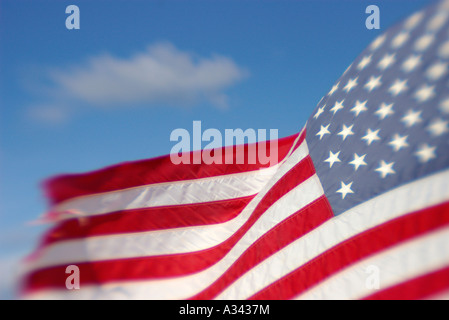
x=385, y=122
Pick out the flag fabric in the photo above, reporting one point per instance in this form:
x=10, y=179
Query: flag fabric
x=357, y=207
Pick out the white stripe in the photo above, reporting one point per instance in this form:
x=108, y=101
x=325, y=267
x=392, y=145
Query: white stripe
x=144, y=244
x=141, y=244
x=170, y=193
x=439, y=296
x=414, y=196
x=178, y=288
x=202, y=190
x=401, y=263
x=184, y=287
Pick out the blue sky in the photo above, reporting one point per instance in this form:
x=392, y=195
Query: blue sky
x=114, y=90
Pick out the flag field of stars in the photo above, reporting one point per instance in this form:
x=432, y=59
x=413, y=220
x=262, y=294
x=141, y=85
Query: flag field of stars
x=385, y=122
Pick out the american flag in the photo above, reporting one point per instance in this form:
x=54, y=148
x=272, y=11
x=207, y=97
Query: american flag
x=357, y=206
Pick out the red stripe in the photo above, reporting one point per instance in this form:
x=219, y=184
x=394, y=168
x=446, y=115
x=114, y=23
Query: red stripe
x=148, y=219
x=156, y=170
x=284, y=233
x=171, y=265
x=354, y=249
x=418, y=288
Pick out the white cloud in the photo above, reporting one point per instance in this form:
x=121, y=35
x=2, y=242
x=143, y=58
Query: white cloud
x=49, y=114
x=160, y=74
x=10, y=272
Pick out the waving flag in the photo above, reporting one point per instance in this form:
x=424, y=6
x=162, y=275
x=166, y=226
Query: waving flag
x=357, y=206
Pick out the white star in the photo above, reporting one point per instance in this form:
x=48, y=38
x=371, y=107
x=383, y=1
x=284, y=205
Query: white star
x=411, y=118
x=425, y=153
x=358, y=161
x=437, y=70
x=345, y=189
x=337, y=106
x=444, y=5
x=334, y=88
x=359, y=107
x=425, y=93
x=385, y=168
x=397, y=87
x=438, y=127
x=378, y=42
x=371, y=136
x=323, y=131
x=346, y=131
x=411, y=63
x=384, y=110
x=350, y=85
x=424, y=42
x=399, y=39
x=444, y=106
x=398, y=142
x=320, y=111
x=386, y=61
x=347, y=69
x=373, y=83
x=437, y=21
x=333, y=157
x=414, y=20
x=443, y=50
x=364, y=62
